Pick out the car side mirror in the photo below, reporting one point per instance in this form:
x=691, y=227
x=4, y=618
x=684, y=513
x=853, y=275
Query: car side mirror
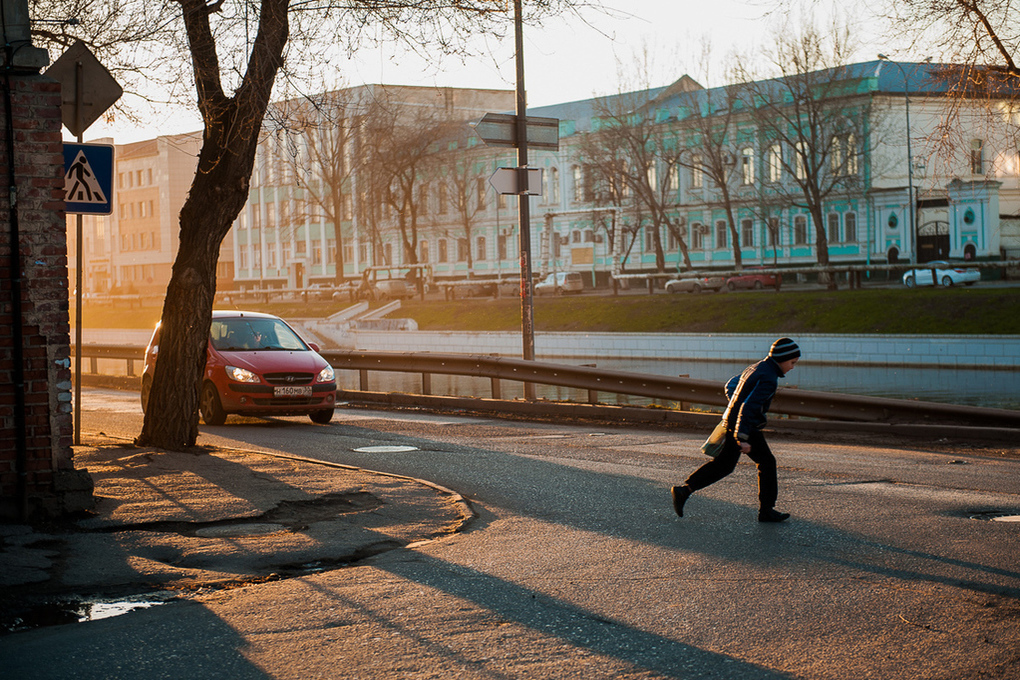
x=315, y=348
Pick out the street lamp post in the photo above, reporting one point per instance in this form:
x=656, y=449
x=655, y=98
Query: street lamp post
x=910, y=159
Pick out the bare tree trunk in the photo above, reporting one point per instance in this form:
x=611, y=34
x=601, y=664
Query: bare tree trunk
x=217, y=194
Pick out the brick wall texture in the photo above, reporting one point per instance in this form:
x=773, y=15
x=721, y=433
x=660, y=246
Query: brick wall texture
x=41, y=481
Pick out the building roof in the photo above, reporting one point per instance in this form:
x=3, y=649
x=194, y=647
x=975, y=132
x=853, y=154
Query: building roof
x=874, y=77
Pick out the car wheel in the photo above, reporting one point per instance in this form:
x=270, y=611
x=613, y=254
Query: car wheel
x=670, y=289
x=321, y=417
x=731, y=286
x=909, y=282
x=559, y=291
x=146, y=389
x=209, y=406
x=696, y=289
x=757, y=285
x=947, y=281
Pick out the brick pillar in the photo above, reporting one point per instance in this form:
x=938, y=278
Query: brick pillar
x=37, y=479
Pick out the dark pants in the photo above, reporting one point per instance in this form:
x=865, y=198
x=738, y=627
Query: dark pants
x=723, y=464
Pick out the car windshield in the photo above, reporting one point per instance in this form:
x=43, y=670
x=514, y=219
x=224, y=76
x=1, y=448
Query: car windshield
x=246, y=334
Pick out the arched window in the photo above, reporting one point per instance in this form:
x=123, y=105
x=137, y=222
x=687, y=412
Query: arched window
x=775, y=163
x=578, y=174
x=747, y=166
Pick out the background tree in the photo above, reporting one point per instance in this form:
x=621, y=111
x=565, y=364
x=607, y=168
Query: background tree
x=633, y=144
x=318, y=150
x=237, y=50
x=709, y=147
x=457, y=174
x=809, y=122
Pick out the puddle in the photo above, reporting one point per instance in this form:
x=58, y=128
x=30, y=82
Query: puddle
x=75, y=611
x=994, y=515
x=240, y=530
x=386, y=449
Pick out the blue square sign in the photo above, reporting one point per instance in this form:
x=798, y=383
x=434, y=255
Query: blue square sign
x=88, y=179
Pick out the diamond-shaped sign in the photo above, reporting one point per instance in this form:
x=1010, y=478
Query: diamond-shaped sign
x=98, y=92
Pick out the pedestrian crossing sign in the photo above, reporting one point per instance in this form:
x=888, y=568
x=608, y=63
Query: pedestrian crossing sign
x=88, y=179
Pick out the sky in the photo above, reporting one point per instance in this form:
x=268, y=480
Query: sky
x=570, y=59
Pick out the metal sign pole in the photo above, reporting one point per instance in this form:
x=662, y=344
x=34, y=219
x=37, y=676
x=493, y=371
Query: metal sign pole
x=79, y=79
x=524, y=203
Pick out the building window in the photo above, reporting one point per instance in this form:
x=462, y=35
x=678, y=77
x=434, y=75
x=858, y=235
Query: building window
x=977, y=161
x=799, y=230
x=836, y=156
x=462, y=250
x=443, y=200
x=833, y=227
x=443, y=256
x=800, y=164
x=578, y=174
x=747, y=233
x=697, y=174
x=554, y=185
x=773, y=229
x=480, y=191
x=775, y=163
x=501, y=246
x=850, y=227
x=480, y=249
x=649, y=239
x=747, y=166
x=851, y=154
x=721, y=229
x=423, y=252
x=423, y=199
x=653, y=178
x=697, y=236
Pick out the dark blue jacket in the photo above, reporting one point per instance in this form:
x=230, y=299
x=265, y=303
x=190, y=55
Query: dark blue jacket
x=750, y=395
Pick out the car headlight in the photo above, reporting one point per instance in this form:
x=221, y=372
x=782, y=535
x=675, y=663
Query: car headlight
x=242, y=375
x=326, y=375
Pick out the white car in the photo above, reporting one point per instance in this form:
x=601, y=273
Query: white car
x=946, y=274
x=695, y=284
x=559, y=283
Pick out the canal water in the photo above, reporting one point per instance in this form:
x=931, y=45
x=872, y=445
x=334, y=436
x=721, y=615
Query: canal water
x=988, y=388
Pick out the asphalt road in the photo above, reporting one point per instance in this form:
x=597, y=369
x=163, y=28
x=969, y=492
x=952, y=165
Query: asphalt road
x=577, y=567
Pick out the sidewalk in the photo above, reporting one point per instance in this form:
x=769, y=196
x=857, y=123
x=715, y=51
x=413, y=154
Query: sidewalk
x=169, y=521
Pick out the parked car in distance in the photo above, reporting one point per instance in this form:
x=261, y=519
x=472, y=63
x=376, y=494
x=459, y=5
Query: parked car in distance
x=695, y=284
x=753, y=279
x=947, y=273
x=559, y=283
x=256, y=365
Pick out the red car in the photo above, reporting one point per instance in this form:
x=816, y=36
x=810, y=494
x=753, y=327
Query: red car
x=752, y=279
x=256, y=365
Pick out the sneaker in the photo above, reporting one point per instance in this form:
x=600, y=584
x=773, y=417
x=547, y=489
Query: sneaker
x=680, y=496
x=771, y=515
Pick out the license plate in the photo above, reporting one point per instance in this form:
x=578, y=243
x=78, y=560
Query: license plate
x=292, y=391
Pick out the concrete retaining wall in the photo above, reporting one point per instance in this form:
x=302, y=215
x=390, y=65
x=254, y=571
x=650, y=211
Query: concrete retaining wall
x=954, y=351
x=947, y=351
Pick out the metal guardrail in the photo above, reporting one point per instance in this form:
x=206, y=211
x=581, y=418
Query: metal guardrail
x=682, y=391
x=793, y=402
